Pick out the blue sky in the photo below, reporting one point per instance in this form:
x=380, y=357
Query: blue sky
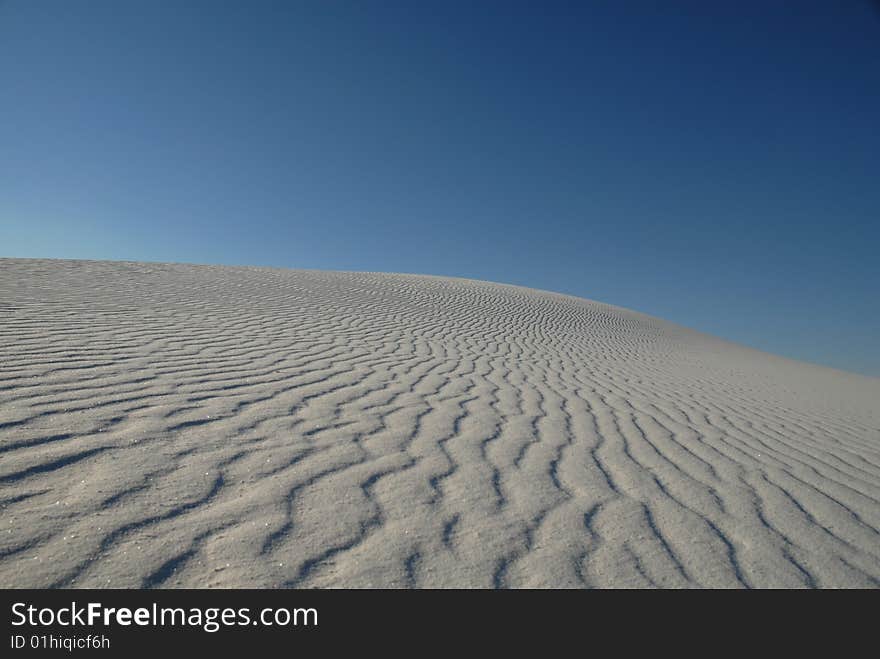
x=715, y=164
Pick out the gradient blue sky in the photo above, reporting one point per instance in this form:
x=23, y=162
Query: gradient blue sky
x=715, y=164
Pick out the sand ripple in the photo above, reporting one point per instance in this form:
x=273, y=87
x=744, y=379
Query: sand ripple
x=174, y=425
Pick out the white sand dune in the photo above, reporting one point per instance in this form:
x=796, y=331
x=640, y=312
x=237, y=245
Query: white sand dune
x=176, y=425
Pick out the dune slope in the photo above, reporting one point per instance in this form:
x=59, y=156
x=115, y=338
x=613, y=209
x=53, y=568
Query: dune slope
x=175, y=425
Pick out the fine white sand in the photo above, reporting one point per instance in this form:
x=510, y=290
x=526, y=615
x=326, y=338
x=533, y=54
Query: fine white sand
x=175, y=425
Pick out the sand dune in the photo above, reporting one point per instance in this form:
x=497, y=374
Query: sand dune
x=197, y=426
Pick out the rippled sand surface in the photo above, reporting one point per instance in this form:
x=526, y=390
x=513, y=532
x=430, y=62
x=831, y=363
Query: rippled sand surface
x=198, y=426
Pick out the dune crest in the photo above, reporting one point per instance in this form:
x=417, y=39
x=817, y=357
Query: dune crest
x=199, y=426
